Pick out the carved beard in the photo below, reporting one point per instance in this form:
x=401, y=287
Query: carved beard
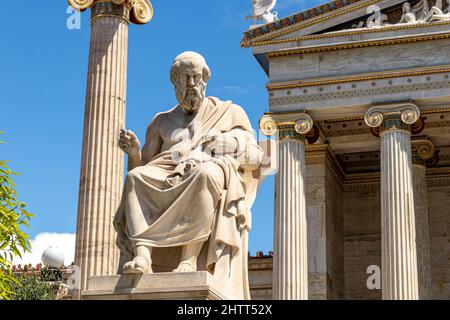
x=191, y=98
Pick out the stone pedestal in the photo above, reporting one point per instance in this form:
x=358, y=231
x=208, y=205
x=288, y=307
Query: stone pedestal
x=159, y=286
x=398, y=235
x=290, y=261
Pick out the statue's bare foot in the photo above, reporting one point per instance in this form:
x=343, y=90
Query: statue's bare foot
x=139, y=264
x=186, y=266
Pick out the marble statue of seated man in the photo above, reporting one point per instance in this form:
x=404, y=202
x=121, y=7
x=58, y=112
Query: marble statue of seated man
x=191, y=186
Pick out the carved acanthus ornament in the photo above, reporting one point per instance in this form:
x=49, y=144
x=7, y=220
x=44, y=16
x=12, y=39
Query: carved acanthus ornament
x=136, y=11
x=289, y=126
x=394, y=117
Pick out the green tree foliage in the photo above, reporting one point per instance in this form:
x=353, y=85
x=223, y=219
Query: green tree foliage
x=13, y=241
x=31, y=287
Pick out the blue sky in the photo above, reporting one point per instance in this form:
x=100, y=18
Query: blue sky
x=43, y=83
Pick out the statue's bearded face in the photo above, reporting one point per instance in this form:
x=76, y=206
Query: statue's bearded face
x=191, y=88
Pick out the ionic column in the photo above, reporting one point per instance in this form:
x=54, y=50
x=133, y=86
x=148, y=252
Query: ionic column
x=398, y=232
x=290, y=261
x=423, y=150
x=102, y=164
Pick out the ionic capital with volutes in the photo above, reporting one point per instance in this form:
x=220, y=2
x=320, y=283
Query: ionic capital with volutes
x=135, y=11
x=423, y=150
x=289, y=126
x=393, y=117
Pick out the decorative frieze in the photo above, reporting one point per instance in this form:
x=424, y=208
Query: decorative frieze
x=359, y=78
x=364, y=187
x=358, y=45
x=357, y=93
x=420, y=12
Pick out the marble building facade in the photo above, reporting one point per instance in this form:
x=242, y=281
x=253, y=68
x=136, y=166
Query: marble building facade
x=374, y=79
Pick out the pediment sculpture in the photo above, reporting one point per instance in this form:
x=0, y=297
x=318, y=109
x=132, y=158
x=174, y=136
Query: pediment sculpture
x=421, y=12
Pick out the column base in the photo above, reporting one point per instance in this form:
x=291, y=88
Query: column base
x=159, y=286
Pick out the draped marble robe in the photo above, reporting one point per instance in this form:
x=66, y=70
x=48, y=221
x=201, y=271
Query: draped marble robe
x=185, y=195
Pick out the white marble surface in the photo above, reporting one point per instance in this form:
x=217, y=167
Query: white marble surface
x=102, y=162
x=325, y=228
x=398, y=236
x=185, y=286
x=422, y=230
x=363, y=60
x=290, y=229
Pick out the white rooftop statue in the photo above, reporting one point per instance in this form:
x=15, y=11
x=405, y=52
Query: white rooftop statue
x=262, y=10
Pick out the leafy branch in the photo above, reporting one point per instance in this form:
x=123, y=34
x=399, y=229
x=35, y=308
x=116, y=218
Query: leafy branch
x=13, y=241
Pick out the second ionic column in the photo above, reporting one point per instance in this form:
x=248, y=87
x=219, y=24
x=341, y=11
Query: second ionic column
x=398, y=233
x=290, y=264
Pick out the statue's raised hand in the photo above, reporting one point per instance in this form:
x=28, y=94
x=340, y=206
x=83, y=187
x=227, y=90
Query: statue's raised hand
x=129, y=142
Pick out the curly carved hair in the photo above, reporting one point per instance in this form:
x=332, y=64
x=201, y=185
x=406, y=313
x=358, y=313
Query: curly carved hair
x=188, y=59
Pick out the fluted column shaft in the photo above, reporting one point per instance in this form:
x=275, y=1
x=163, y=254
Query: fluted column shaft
x=399, y=260
x=398, y=235
x=290, y=261
x=102, y=166
x=290, y=264
x=102, y=163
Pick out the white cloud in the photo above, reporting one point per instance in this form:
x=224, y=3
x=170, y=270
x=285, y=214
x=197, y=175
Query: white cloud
x=64, y=241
